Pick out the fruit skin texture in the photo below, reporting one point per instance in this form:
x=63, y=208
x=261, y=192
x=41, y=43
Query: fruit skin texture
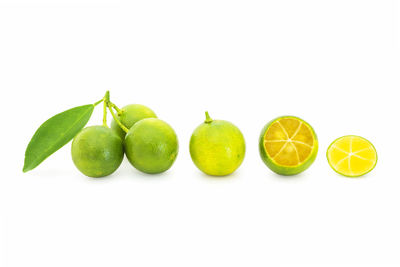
x=217, y=148
x=286, y=170
x=151, y=146
x=130, y=115
x=97, y=151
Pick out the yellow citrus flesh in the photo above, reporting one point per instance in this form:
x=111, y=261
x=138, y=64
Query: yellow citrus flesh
x=289, y=141
x=352, y=156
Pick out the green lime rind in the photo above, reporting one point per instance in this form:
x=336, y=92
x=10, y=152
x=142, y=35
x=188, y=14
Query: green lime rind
x=97, y=151
x=286, y=170
x=346, y=175
x=151, y=146
x=130, y=115
x=221, y=141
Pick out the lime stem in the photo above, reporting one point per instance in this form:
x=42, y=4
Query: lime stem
x=105, y=114
x=106, y=100
x=119, y=111
x=126, y=130
x=208, y=118
x=107, y=97
x=98, y=102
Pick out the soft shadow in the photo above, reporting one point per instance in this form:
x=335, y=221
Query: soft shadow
x=352, y=178
x=289, y=177
x=100, y=179
x=216, y=178
x=134, y=173
x=54, y=172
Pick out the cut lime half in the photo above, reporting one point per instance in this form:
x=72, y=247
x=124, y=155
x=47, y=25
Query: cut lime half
x=288, y=145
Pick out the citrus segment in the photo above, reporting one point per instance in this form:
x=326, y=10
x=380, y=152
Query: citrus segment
x=288, y=145
x=352, y=156
x=289, y=141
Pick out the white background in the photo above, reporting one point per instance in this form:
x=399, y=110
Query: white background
x=333, y=63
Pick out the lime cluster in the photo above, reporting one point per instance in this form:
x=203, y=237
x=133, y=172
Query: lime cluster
x=149, y=143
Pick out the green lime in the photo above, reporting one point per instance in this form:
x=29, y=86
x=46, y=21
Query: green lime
x=97, y=151
x=288, y=145
x=151, y=145
x=217, y=147
x=129, y=115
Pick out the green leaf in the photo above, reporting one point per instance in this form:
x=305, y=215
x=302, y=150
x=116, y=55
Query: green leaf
x=54, y=134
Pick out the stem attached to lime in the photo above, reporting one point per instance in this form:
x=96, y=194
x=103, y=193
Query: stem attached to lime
x=110, y=107
x=208, y=118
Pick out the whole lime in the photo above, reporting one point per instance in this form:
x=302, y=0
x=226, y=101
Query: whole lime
x=217, y=147
x=97, y=151
x=151, y=145
x=129, y=115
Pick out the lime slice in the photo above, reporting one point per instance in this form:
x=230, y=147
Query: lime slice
x=352, y=156
x=288, y=145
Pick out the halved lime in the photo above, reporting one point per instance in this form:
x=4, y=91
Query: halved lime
x=288, y=145
x=352, y=156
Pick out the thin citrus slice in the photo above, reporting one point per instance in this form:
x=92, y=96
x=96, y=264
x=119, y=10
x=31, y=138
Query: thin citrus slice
x=288, y=145
x=352, y=156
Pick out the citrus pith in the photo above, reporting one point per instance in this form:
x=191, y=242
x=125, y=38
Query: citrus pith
x=288, y=145
x=352, y=156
